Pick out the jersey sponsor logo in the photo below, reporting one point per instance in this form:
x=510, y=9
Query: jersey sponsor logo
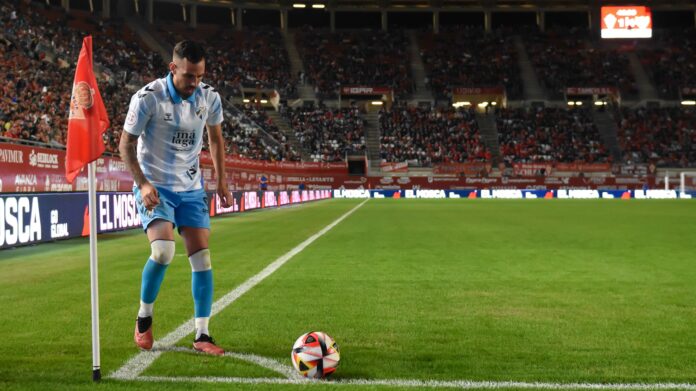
x=184, y=141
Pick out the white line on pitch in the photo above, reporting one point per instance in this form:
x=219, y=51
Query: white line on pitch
x=140, y=362
x=264, y=362
x=458, y=384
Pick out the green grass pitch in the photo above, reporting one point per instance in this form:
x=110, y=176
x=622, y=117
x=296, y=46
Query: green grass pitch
x=559, y=291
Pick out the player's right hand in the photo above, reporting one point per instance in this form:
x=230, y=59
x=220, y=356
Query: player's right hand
x=149, y=195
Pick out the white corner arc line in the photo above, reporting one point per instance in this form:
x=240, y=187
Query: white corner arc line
x=141, y=361
x=271, y=364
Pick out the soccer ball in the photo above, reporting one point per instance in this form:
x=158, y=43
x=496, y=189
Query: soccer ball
x=315, y=355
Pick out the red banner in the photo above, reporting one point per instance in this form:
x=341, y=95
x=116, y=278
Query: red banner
x=242, y=163
x=583, y=167
x=532, y=169
x=365, y=90
x=35, y=169
x=549, y=183
x=474, y=168
x=25, y=169
x=478, y=91
x=32, y=169
x=592, y=91
x=394, y=167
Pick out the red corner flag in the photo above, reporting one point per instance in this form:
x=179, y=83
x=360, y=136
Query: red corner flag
x=88, y=119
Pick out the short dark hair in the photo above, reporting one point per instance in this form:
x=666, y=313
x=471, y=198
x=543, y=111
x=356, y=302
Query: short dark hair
x=190, y=50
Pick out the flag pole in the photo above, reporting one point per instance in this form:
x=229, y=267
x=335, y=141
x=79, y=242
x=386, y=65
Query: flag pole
x=94, y=276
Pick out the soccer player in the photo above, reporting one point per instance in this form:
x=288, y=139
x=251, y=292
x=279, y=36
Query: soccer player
x=162, y=138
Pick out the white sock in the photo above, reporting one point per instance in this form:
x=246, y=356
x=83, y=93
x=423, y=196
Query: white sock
x=145, y=309
x=202, y=326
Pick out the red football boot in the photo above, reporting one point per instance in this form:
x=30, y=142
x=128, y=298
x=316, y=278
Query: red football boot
x=206, y=344
x=144, y=340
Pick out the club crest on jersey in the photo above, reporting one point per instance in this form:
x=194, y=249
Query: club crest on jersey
x=200, y=111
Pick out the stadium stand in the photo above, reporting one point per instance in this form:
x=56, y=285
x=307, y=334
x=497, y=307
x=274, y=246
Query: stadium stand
x=38, y=50
x=671, y=63
x=665, y=137
x=549, y=135
x=329, y=134
x=282, y=150
x=569, y=58
x=250, y=58
x=422, y=137
x=467, y=57
x=372, y=58
x=34, y=102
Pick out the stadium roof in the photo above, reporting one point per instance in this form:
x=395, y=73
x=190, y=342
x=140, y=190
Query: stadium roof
x=443, y=5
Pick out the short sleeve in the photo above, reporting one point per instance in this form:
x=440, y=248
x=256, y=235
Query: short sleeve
x=139, y=114
x=215, y=113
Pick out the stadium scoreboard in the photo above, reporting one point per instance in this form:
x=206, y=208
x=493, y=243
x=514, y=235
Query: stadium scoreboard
x=626, y=22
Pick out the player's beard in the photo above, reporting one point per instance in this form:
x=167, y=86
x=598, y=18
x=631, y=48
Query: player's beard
x=187, y=92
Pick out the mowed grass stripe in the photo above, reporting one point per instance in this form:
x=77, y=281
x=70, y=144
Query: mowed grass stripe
x=562, y=291
x=44, y=290
x=487, y=290
x=136, y=365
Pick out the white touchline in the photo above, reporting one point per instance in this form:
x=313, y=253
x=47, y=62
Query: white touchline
x=136, y=365
x=292, y=377
x=420, y=384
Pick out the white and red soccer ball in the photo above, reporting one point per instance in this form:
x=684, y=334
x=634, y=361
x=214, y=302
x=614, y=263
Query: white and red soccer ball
x=315, y=355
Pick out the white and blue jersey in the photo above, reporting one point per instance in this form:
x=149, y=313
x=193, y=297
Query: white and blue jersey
x=170, y=131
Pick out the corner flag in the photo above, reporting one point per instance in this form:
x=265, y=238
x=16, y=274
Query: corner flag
x=88, y=119
x=86, y=124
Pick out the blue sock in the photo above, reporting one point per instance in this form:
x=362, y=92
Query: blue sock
x=153, y=274
x=202, y=289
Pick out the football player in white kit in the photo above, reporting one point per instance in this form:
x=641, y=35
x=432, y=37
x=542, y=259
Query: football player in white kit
x=160, y=144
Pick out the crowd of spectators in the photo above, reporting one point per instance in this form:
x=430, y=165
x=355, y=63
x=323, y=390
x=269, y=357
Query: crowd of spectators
x=328, y=134
x=424, y=136
x=245, y=137
x=671, y=63
x=549, y=135
x=251, y=58
x=468, y=57
x=39, y=50
x=569, y=58
x=664, y=136
x=282, y=149
x=371, y=58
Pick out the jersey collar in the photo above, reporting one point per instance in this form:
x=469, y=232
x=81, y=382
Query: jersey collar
x=175, y=95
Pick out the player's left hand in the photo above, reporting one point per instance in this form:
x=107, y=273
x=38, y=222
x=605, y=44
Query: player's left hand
x=225, y=196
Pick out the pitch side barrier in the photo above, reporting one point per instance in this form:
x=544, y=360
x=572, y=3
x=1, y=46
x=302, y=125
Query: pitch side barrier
x=31, y=218
x=517, y=194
